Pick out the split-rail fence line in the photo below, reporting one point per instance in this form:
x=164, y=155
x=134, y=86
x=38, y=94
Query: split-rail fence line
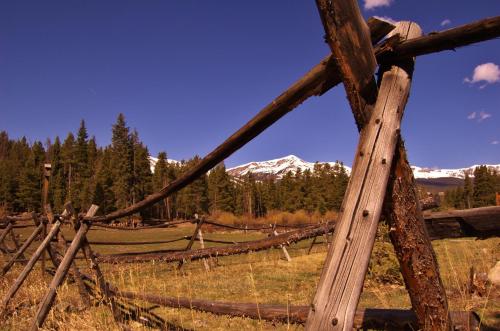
x=381, y=186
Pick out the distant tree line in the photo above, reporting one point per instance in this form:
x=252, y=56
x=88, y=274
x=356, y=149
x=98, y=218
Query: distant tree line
x=479, y=191
x=118, y=175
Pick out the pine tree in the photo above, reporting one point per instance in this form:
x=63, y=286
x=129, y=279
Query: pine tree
x=484, y=187
x=220, y=190
x=28, y=193
x=142, y=177
x=121, y=163
x=68, y=162
x=468, y=191
x=57, y=180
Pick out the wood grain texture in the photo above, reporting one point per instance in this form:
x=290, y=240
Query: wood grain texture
x=386, y=319
x=341, y=281
x=349, y=39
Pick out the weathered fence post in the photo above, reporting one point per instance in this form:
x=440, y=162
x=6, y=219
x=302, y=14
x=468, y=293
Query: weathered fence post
x=202, y=245
x=46, y=181
x=358, y=80
x=21, y=250
x=193, y=238
x=29, y=266
x=61, y=272
x=283, y=248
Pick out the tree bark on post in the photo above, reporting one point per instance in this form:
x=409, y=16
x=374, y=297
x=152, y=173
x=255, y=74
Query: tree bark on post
x=432, y=293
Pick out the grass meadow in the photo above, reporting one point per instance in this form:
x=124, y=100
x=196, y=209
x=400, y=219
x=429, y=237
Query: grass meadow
x=260, y=277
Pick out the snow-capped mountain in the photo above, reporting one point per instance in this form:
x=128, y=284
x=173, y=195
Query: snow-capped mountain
x=153, y=160
x=419, y=172
x=277, y=167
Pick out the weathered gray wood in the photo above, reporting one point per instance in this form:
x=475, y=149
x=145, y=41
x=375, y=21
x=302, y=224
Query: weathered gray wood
x=283, y=248
x=202, y=246
x=241, y=248
x=478, y=222
x=22, y=249
x=379, y=319
x=349, y=39
x=193, y=238
x=408, y=233
x=343, y=274
x=61, y=272
x=29, y=266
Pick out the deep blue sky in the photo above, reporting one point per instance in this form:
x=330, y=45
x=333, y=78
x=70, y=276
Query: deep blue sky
x=186, y=74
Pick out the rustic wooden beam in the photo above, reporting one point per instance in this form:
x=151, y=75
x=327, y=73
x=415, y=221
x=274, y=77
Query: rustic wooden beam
x=202, y=246
x=101, y=282
x=310, y=84
x=349, y=39
x=408, y=230
x=343, y=275
x=382, y=319
x=22, y=249
x=241, y=248
x=6, y=231
x=283, y=248
x=60, y=275
x=317, y=81
x=434, y=42
x=29, y=266
x=413, y=248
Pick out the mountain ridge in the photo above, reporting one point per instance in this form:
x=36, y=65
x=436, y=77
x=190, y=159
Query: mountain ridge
x=277, y=168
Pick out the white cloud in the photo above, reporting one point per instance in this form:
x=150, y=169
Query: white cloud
x=478, y=116
x=486, y=72
x=483, y=115
x=370, y=4
x=386, y=18
x=472, y=115
x=445, y=22
x=495, y=142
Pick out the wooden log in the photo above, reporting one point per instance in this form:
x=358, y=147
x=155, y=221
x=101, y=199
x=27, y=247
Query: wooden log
x=135, y=243
x=101, y=282
x=413, y=248
x=29, y=266
x=202, y=246
x=312, y=83
x=21, y=250
x=316, y=82
x=382, y=319
x=434, y=42
x=312, y=244
x=61, y=272
x=257, y=245
x=283, y=248
x=477, y=222
x=412, y=244
x=193, y=238
x=349, y=39
x=5, y=232
x=341, y=281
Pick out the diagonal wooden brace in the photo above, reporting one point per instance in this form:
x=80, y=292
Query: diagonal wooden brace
x=340, y=286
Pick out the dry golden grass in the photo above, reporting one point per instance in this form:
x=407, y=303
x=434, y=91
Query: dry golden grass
x=263, y=277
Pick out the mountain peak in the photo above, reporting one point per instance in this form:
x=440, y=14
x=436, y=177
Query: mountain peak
x=276, y=167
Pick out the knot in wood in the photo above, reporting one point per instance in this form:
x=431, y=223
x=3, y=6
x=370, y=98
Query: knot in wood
x=335, y=321
x=384, y=161
x=365, y=213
